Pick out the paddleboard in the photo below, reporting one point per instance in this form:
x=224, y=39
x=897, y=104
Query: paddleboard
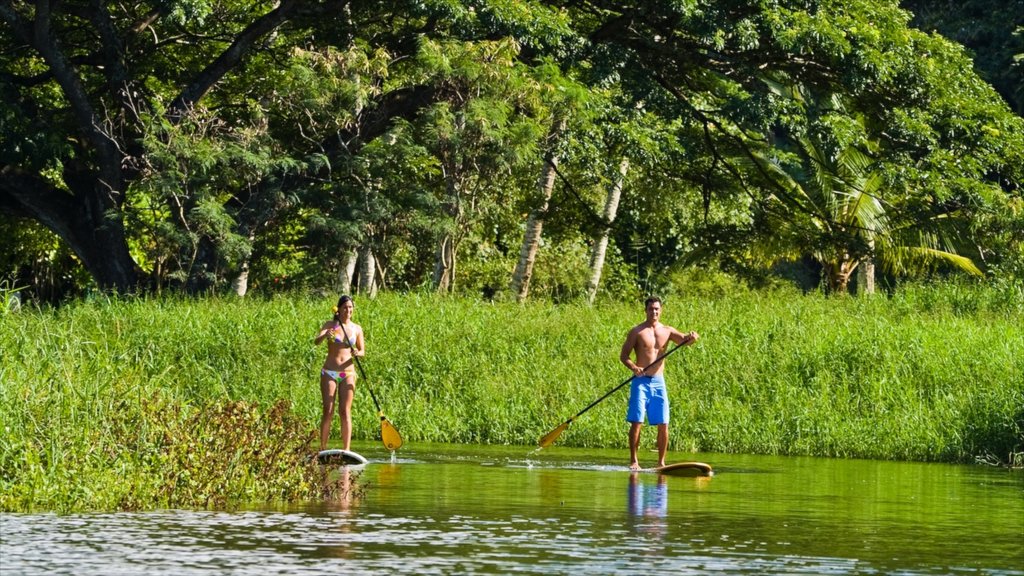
x=685, y=469
x=336, y=456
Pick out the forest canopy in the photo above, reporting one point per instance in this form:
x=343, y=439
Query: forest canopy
x=497, y=147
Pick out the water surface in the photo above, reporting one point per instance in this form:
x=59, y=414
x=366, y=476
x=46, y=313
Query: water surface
x=441, y=509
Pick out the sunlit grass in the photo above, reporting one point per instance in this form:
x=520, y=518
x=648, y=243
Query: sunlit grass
x=97, y=398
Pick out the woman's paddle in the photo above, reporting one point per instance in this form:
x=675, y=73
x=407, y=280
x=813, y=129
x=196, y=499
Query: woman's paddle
x=388, y=433
x=549, y=438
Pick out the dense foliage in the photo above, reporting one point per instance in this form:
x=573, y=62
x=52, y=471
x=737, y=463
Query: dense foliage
x=186, y=402
x=206, y=146
x=992, y=30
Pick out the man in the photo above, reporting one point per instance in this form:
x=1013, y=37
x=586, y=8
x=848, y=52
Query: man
x=647, y=396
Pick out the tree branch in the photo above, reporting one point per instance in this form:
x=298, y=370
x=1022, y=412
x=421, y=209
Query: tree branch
x=243, y=44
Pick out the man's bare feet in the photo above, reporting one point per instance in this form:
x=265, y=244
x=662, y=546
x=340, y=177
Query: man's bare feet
x=634, y=466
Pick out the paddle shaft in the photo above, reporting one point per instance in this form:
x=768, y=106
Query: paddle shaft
x=624, y=382
x=361, y=372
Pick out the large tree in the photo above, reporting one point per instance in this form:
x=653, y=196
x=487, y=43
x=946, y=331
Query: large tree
x=993, y=32
x=85, y=83
x=945, y=138
x=98, y=98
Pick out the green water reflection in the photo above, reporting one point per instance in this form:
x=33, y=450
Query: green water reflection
x=856, y=516
x=440, y=509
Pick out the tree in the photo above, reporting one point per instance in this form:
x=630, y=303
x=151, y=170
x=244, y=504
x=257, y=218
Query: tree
x=611, y=206
x=989, y=29
x=205, y=142
x=847, y=221
x=711, y=66
x=535, y=222
x=77, y=95
x=85, y=86
x=486, y=127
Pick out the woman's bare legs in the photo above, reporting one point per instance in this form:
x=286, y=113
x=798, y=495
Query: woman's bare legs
x=346, y=391
x=328, y=388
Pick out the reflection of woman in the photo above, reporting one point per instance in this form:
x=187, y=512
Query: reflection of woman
x=338, y=375
x=347, y=490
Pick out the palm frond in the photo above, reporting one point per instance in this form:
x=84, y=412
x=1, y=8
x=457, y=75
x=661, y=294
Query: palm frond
x=906, y=259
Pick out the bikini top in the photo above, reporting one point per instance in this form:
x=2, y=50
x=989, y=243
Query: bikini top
x=339, y=338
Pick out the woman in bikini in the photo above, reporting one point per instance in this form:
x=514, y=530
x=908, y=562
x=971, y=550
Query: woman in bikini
x=338, y=376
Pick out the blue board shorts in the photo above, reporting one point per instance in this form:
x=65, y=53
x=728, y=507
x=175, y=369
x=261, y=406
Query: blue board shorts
x=647, y=395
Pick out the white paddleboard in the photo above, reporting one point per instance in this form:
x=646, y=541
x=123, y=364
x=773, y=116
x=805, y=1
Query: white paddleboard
x=336, y=456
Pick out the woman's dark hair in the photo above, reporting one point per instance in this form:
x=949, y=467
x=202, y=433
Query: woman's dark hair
x=341, y=302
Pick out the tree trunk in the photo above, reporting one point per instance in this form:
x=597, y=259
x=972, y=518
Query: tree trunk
x=866, y=273
x=611, y=208
x=347, y=272
x=367, y=271
x=839, y=273
x=89, y=221
x=104, y=252
x=534, y=228
x=535, y=224
x=241, y=283
x=202, y=269
x=444, y=264
x=447, y=246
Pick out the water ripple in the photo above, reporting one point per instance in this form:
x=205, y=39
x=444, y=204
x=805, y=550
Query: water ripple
x=203, y=543
x=458, y=516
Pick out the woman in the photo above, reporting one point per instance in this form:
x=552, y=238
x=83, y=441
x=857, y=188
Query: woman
x=338, y=376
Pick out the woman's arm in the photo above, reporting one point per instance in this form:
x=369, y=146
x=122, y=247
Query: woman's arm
x=360, y=348
x=324, y=331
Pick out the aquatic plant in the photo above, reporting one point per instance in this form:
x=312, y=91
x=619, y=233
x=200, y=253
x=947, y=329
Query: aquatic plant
x=154, y=453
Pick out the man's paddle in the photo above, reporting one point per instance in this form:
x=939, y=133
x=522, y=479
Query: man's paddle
x=388, y=433
x=549, y=438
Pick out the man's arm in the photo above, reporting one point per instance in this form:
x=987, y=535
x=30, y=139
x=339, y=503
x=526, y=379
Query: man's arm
x=681, y=338
x=627, y=350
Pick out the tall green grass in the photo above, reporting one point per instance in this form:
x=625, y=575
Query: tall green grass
x=94, y=395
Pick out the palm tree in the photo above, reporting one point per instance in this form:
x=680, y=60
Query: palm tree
x=846, y=221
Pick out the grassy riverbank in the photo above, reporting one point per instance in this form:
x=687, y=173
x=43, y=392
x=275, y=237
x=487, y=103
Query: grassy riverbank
x=110, y=404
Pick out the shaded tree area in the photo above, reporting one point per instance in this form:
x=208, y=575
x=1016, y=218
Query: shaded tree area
x=230, y=146
x=991, y=30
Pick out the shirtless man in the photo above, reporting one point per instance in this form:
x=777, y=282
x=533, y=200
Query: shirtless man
x=647, y=341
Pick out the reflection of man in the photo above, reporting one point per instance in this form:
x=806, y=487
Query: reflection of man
x=647, y=395
x=649, y=501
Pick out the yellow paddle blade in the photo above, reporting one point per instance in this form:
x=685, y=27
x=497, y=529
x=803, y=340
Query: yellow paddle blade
x=389, y=434
x=549, y=438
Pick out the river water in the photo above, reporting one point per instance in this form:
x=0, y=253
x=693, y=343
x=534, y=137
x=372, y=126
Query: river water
x=442, y=509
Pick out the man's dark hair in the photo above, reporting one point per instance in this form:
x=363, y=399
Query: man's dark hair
x=651, y=300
